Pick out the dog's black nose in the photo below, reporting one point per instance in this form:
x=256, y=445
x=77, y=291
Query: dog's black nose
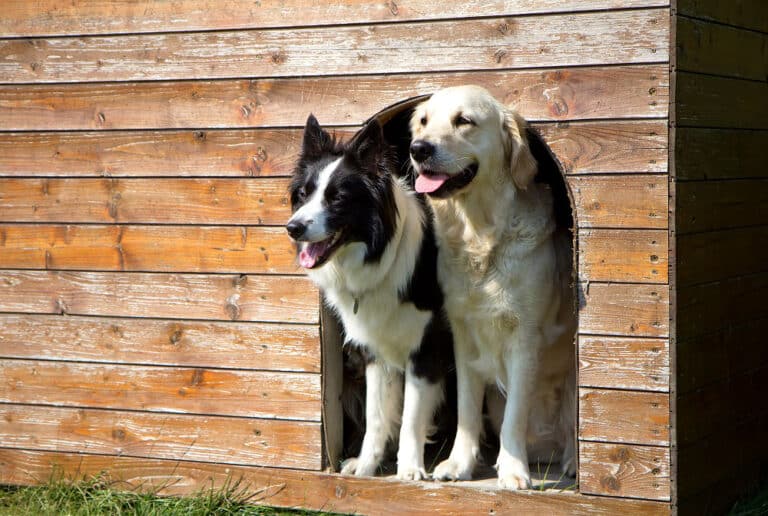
x=421, y=150
x=296, y=229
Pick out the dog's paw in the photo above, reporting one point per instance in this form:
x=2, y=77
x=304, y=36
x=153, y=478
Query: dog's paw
x=514, y=475
x=451, y=469
x=359, y=468
x=410, y=472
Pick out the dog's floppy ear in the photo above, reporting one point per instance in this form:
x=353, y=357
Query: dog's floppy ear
x=523, y=166
x=316, y=139
x=367, y=143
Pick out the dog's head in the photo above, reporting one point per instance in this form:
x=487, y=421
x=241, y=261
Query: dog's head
x=462, y=137
x=341, y=195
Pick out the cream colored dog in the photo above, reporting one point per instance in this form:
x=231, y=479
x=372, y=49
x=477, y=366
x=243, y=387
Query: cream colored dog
x=506, y=273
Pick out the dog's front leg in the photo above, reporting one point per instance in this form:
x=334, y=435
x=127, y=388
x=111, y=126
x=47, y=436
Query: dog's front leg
x=421, y=400
x=383, y=403
x=521, y=361
x=470, y=389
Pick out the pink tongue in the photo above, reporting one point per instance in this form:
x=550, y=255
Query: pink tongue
x=309, y=255
x=428, y=184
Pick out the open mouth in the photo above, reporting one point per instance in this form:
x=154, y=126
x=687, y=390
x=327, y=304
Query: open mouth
x=439, y=185
x=315, y=254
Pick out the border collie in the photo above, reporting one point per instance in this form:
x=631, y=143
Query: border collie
x=366, y=240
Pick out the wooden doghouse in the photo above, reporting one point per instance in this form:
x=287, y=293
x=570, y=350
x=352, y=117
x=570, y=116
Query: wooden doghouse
x=152, y=321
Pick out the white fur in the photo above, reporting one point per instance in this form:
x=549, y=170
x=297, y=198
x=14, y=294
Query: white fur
x=507, y=285
x=313, y=213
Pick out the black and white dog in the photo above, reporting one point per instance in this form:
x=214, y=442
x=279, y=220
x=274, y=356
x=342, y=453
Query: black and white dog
x=366, y=239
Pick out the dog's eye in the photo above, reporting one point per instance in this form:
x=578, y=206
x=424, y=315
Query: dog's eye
x=462, y=120
x=423, y=120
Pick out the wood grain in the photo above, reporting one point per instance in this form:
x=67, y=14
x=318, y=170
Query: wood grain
x=748, y=14
x=581, y=147
x=708, y=101
x=162, y=389
x=258, y=442
x=164, y=201
x=550, y=94
x=624, y=416
x=175, y=296
x=148, y=248
x=632, y=310
x=618, y=37
x=719, y=255
x=54, y=17
x=711, y=154
x=624, y=470
x=621, y=201
x=626, y=255
x=280, y=347
x=329, y=492
x=716, y=49
x=624, y=363
x=718, y=205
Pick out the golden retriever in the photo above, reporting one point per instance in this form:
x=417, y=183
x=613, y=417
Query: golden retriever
x=505, y=268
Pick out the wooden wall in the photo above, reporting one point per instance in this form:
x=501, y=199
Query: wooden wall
x=721, y=182
x=149, y=303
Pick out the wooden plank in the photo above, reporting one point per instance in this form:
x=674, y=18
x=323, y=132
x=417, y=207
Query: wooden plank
x=550, y=94
x=711, y=154
x=624, y=309
x=332, y=386
x=53, y=17
x=139, y=200
x=716, y=205
x=624, y=416
x=710, y=307
x=750, y=14
x=262, y=442
x=280, y=347
x=328, y=492
x=148, y=248
x=708, y=101
x=620, y=201
x=719, y=255
x=581, y=147
x=175, y=296
x=711, y=358
x=617, y=37
x=716, y=49
x=624, y=363
x=162, y=389
x=623, y=255
x=624, y=470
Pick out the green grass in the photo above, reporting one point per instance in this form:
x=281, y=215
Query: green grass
x=101, y=496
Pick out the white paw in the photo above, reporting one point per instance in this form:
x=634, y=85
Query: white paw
x=359, y=468
x=451, y=469
x=514, y=475
x=411, y=472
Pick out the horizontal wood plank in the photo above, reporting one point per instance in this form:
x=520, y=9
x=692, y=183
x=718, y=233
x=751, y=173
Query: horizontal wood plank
x=620, y=201
x=278, y=347
x=712, y=154
x=148, y=248
x=552, y=94
x=748, y=14
x=624, y=416
x=632, y=310
x=258, y=442
x=716, y=49
x=52, y=17
x=617, y=37
x=624, y=470
x=624, y=363
x=708, y=101
x=175, y=296
x=162, y=389
x=719, y=255
x=327, y=492
x=623, y=255
x=581, y=147
x=719, y=205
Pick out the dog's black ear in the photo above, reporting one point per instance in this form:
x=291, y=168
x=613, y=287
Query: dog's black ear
x=367, y=144
x=316, y=139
